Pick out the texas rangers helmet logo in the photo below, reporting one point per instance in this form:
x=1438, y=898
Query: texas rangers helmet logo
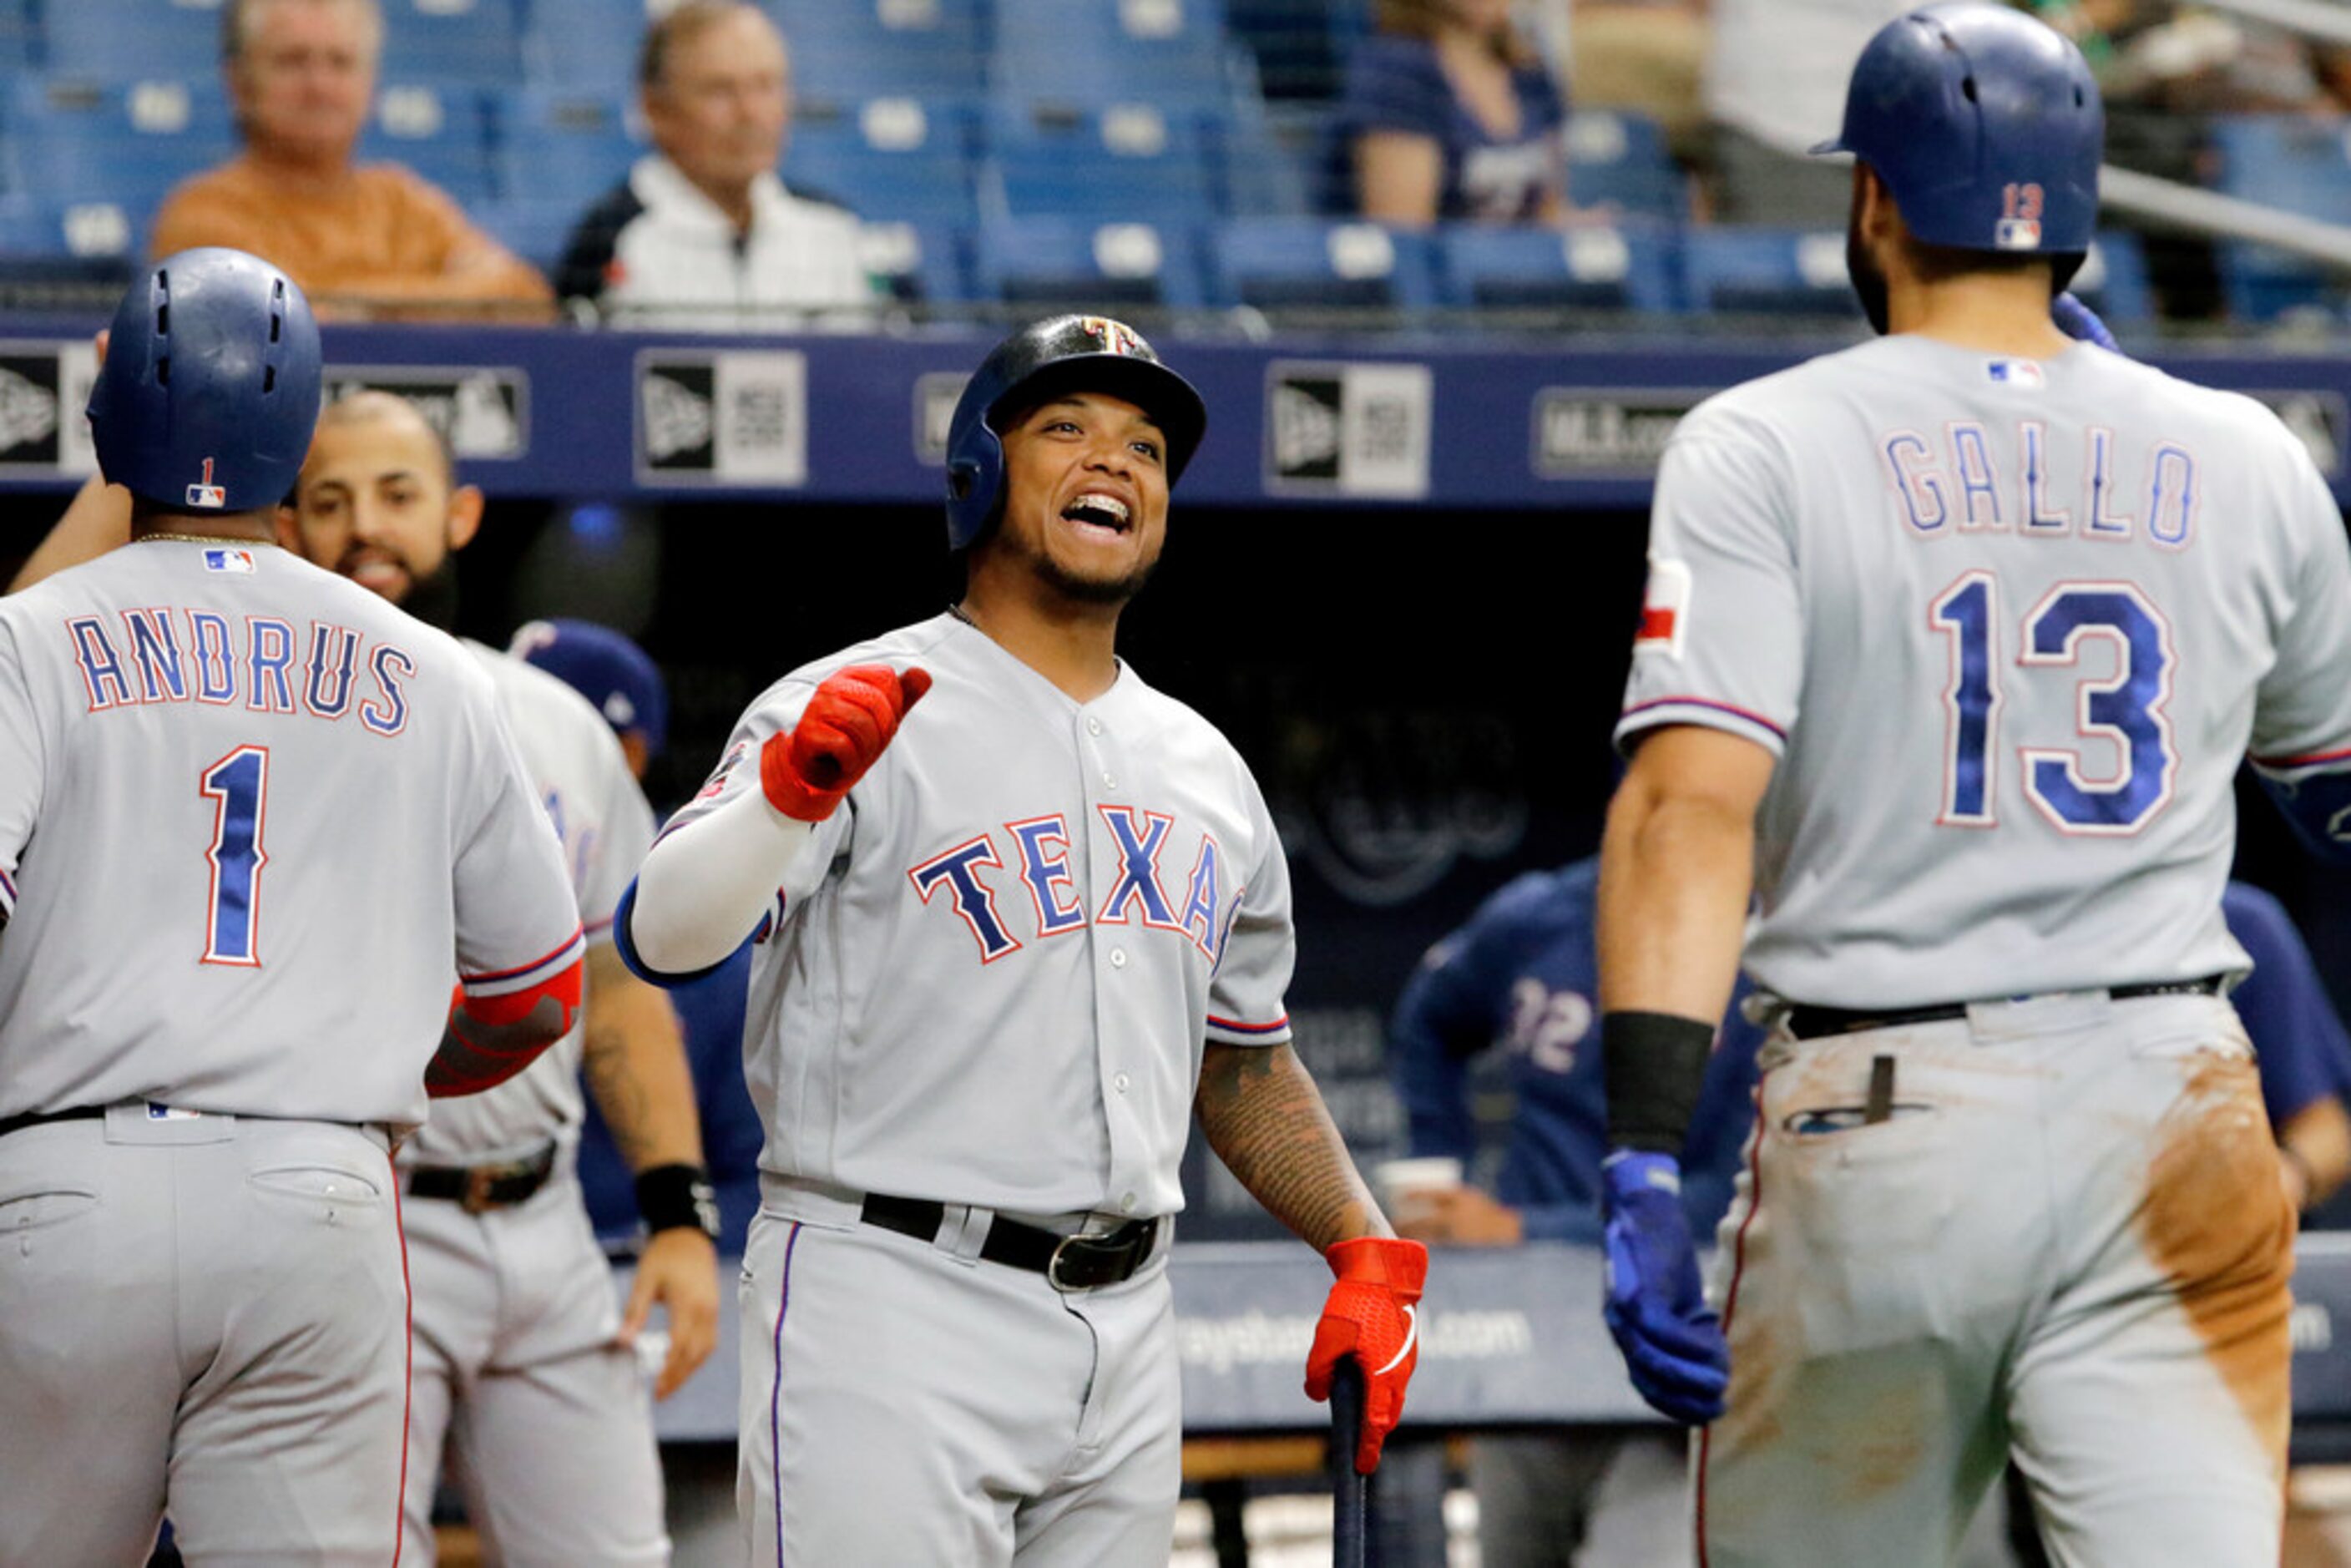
x=2020, y=218
x=1115, y=337
x=207, y=494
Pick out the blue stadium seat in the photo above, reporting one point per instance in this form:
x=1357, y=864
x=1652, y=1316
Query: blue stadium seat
x=535, y=228
x=558, y=144
x=439, y=132
x=128, y=142
x=1767, y=271
x=2113, y=280
x=455, y=43
x=1271, y=161
x=584, y=46
x=1089, y=53
x=1619, y=160
x=1275, y=262
x=2301, y=164
x=846, y=50
x=926, y=262
x=1132, y=161
x=69, y=241
x=893, y=158
x=123, y=40
x=1629, y=267
x=18, y=36
x=1076, y=261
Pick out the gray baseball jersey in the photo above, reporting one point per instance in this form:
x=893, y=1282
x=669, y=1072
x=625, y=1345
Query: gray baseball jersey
x=2009, y=626
x=215, y=897
x=605, y=825
x=990, y=979
x=251, y=819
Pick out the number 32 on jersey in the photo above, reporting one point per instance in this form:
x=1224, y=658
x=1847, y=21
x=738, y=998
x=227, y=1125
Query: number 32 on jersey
x=2124, y=709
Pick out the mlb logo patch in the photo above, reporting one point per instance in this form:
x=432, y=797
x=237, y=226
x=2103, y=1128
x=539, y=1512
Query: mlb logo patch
x=2016, y=233
x=238, y=560
x=205, y=493
x=2016, y=373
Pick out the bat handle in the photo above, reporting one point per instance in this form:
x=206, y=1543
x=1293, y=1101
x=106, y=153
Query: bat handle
x=1349, y=1491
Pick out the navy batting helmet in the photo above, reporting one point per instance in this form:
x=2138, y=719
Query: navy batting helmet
x=1985, y=125
x=1068, y=353
x=210, y=388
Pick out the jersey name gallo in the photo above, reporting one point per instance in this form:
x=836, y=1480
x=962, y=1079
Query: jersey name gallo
x=1014, y=883
x=1966, y=478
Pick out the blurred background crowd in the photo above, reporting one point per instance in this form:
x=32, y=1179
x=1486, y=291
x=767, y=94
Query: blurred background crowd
x=799, y=160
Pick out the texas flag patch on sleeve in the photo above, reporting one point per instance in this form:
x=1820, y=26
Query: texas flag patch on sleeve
x=1665, y=608
x=229, y=560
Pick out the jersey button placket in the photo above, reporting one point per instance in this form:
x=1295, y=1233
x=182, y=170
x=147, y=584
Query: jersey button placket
x=1128, y=1148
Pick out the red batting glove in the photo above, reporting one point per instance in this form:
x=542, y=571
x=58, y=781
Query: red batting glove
x=845, y=726
x=1371, y=1316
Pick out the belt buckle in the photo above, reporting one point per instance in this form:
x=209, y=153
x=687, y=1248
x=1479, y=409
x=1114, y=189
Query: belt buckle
x=477, y=1199
x=1053, y=1266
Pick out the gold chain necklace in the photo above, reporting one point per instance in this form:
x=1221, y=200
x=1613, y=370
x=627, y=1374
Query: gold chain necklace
x=201, y=539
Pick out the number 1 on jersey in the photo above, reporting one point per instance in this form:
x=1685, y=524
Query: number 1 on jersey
x=238, y=787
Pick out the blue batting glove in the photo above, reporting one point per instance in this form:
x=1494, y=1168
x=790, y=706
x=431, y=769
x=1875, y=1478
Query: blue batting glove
x=2077, y=319
x=1657, y=1309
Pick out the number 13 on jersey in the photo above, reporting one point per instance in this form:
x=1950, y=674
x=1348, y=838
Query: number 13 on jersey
x=2124, y=709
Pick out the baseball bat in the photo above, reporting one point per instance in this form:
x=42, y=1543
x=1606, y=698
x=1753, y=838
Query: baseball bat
x=1350, y=1491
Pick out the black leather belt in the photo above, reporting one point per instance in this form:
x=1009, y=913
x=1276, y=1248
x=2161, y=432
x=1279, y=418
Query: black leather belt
x=1807, y=1022
x=478, y=1188
x=1069, y=1263
x=37, y=1118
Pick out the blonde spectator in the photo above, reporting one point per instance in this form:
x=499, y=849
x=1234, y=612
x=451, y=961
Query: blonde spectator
x=361, y=239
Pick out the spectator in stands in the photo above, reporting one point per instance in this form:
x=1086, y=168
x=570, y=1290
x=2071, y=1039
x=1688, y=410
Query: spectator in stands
x=613, y=672
x=1775, y=82
x=703, y=232
x=1520, y=977
x=1448, y=114
x=1647, y=57
x=361, y=239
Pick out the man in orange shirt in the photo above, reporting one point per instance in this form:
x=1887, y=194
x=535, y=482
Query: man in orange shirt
x=361, y=240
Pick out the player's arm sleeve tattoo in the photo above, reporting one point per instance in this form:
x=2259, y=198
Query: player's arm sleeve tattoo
x=1260, y=1112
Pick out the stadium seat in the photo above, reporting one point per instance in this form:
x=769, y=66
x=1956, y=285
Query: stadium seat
x=2113, y=280
x=69, y=241
x=848, y=51
x=557, y=144
x=453, y=43
x=18, y=36
x=534, y=228
x=1127, y=161
x=1278, y=262
x=127, y=142
x=2301, y=164
x=1631, y=267
x=1618, y=160
x=925, y=261
x=1271, y=163
x=1090, y=53
x=1767, y=271
x=125, y=40
x=1078, y=261
x=891, y=158
x=437, y=131
x=585, y=45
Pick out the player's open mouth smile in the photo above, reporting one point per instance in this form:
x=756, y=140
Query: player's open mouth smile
x=1097, y=512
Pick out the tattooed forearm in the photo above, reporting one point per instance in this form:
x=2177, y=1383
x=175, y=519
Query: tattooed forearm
x=1264, y=1117
x=634, y=1058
